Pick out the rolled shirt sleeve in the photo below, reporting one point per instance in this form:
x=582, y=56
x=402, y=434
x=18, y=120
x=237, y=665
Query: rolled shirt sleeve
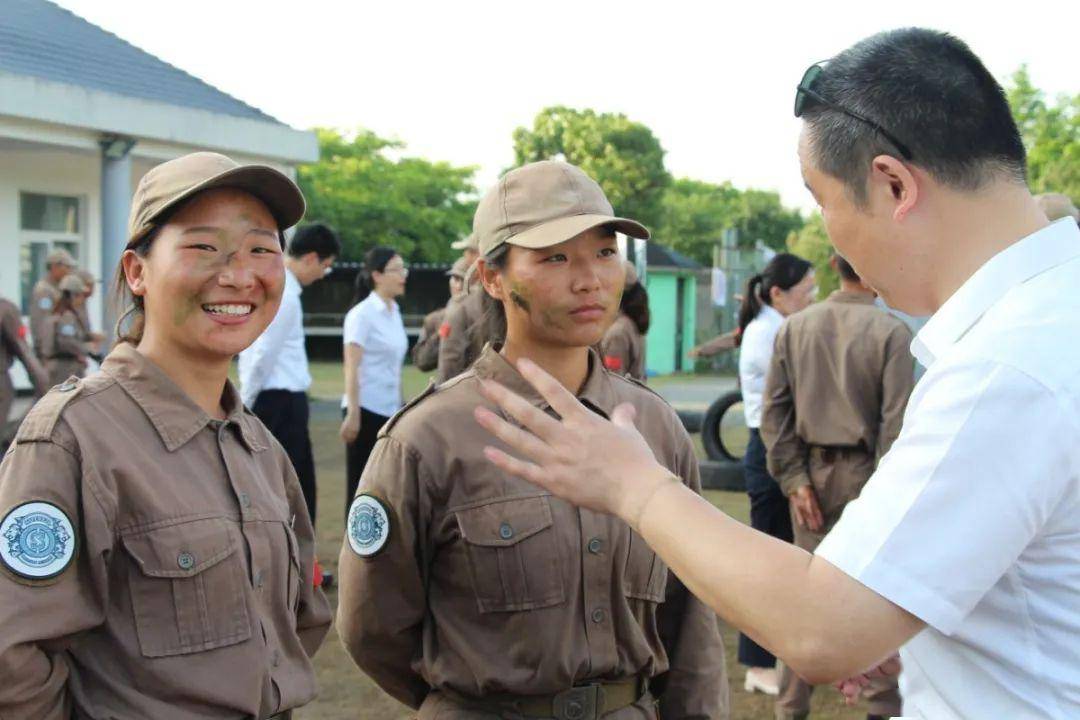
x=983, y=460
x=787, y=454
x=695, y=685
x=382, y=598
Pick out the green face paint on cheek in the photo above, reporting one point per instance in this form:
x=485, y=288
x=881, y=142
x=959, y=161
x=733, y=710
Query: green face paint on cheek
x=519, y=295
x=185, y=308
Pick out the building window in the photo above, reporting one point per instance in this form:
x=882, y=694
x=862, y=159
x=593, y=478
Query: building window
x=47, y=223
x=51, y=213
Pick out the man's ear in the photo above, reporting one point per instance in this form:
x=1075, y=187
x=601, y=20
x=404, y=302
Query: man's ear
x=491, y=279
x=893, y=184
x=134, y=268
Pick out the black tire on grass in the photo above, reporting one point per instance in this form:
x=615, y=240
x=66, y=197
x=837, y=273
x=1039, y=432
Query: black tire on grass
x=710, y=427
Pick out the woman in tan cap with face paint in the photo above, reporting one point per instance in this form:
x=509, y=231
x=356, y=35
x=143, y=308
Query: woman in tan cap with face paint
x=65, y=343
x=467, y=593
x=155, y=550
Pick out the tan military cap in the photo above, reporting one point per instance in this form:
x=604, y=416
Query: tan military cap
x=60, y=257
x=470, y=243
x=543, y=204
x=72, y=283
x=172, y=182
x=459, y=269
x=1057, y=206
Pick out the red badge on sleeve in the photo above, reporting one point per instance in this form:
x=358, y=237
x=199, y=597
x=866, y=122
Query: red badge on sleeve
x=444, y=330
x=613, y=363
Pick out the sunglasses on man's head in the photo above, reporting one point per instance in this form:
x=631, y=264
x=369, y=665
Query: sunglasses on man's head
x=805, y=91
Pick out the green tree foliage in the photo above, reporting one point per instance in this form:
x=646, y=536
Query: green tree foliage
x=371, y=197
x=1051, y=134
x=812, y=243
x=622, y=155
x=695, y=213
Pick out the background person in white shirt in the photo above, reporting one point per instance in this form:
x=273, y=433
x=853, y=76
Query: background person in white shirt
x=963, y=549
x=784, y=287
x=274, y=376
x=375, y=347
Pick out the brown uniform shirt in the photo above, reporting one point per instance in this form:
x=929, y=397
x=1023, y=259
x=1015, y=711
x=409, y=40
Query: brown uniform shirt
x=64, y=346
x=462, y=335
x=840, y=378
x=13, y=345
x=488, y=585
x=42, y=301
x=623, y=348
x=189, y=593
x=425, y=353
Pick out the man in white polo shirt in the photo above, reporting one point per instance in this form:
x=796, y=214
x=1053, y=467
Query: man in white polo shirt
x=963, y=550
x=274, y=375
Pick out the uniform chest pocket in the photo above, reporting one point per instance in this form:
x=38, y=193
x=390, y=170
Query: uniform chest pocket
x=187, y=590
x=645, y=574
x=513, y=555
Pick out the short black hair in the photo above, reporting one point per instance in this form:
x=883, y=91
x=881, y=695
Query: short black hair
x=317, y=238
x=929, y=90
x=844, y=268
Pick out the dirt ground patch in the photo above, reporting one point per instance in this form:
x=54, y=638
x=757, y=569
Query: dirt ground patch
x=346, y=694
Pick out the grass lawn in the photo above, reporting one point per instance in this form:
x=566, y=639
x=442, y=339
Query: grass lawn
x=347, y=693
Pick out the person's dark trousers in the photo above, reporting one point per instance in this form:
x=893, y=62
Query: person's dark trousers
x=769, y=513
x=358, y=452
x=285, y=414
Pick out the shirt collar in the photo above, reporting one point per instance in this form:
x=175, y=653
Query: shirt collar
x=292, y=284
x=770, y=314
x=380, y=304
x=1043, y=250
x=173, y=414
x=597, y=394
x=856, y=298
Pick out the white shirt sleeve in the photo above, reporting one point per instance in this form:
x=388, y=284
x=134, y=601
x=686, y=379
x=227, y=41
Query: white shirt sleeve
x=357, y=326
x=257, y=361
x=983, y=460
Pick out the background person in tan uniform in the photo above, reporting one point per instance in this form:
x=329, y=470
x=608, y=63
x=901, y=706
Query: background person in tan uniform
x=623, y=346
x=155, y=549
x=66, y=343
x=425, y=353
x=58, y=264
x=1057, y=206
x=84, y=314
x=839, y=382
x=466, y=593
x=463, y=333
x=13, y=345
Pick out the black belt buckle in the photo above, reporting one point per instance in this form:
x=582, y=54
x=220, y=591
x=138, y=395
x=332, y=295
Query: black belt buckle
x=579, y=703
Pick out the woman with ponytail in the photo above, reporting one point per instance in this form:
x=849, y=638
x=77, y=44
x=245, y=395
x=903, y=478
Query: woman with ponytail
x=375, y=347
x=785, y=286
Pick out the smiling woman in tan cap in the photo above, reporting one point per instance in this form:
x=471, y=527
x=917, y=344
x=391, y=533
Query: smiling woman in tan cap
x=155, y=550
x=467, y=593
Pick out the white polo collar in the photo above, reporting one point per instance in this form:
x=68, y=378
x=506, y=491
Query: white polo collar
x=1043, y=250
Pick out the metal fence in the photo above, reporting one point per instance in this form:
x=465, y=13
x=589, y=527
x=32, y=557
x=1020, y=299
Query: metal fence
x=720, y=290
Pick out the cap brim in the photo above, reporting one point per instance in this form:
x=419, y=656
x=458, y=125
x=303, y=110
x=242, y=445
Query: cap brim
x=280, y=194
x=562, y=229
x=459, y=244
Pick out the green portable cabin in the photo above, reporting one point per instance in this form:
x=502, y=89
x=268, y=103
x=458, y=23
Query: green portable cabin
x=671, y=280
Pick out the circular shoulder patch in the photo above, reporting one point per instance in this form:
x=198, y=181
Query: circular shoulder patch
x=368, y=527
x=37, y=541
x=67, y=330
x=45, y=303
